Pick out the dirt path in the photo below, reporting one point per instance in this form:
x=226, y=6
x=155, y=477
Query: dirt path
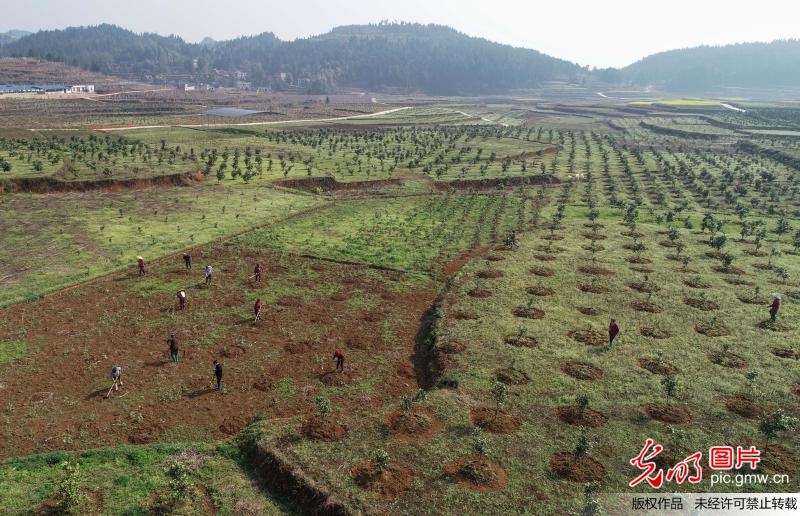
x=276, y=122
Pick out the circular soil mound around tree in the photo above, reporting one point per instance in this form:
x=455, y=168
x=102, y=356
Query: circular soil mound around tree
x=738, y=282
x=744, y=407
x=584, y=469
x=478, y=473
x=540, y=291
x=544, y=257
x=521, y=341
x=594, y=236
x=582, y=371
x=588, y=310
x=645, y=306
x=786, y=353
x=550, y=248
x=593, y=246
x=726, y=359
x=335, y=378
x=752, y=299
x=495, y=258
x=553, y=238
x=388, y=483
x=542, y=271
x=587, y=417
x=776, y=326
x=480, y=293
x=512, y=376
x=493, y=421
x=297, y=348
x=712, y=329
x=595, y=270
x=452, y=347
x=632, y=234
x=490, y=274
x=642, y=270
x=656, y=366
x=593, y=289
x=673, y=414
x=465, y=315
x=646, y=287
x=701, y=304
x=528, y=313
x=638, y=259
x=654, y=333
x=588, y=336
x=413, y=425
x=323, y=429
x=696, y=283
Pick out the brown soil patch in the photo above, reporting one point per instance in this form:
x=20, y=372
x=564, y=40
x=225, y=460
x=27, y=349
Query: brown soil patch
x=588, y=310
x=643, y=270
x=528, y=313
x=414, y=425
x=729, y=270
x=493, y=421
x=540, y=291
x=586, y=417
x=567, y=466
x=582, y=371
x=480, y=293
x=490, y=274
x=542, y=271
x=744, y=407
x=776, y=326
x=298, y=348
x=752, y=299
x=638, y=259
x=705, y=305
x=778, y=459
x=645, y=306
x=674, y=414
x=646, y=287
x=290, y=301
x=553, y=238
x=632, y=234
x=588, y=336
x=452, y=347
x=594, y=236
x=323, y=429
x=340, y=296
x=478, y=473
x=233, y=424
x=231, y=351
x=521, y=341
x=726, y=359
x=264, y=384
x=512, y=376
x=657, y=367
x=465, y=315
x=795, y=388
x=550, y=248
x=335, y=378
x=594, y=245
x=654, y=333
x=388, y=483
x=786, y=353
x=712, y=329
x=738, y=281
x=595, y=270
x=544, y=257
x=593, y=289
x=495, y=258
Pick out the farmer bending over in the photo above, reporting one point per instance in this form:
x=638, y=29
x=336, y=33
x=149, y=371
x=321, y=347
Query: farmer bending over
x=116, y=380
x=338, y=357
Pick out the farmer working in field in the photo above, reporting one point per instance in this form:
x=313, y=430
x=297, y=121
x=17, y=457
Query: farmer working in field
x=613, y=331
x=775, y=306
x=258, y=272
x=257, y=310
x=140, y=262
x=209, y=273
x=187, y=260
x=218, y=375
x=116, y=380
x=182, y=299
x=173, y=346
x=338, y=357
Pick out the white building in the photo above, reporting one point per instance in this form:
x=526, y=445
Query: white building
x=81, y=88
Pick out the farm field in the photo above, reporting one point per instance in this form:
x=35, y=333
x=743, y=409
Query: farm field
x=477, y=373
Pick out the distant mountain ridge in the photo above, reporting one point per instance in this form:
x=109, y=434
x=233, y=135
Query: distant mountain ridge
x=399, y=56
x=742, y=65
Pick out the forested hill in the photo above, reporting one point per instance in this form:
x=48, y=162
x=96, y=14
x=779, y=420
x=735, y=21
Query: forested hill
x=12, y=35
x=405, y=57
x=745, y=65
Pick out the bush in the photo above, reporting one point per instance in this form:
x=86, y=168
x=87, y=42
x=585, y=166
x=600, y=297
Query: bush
x=68, y=493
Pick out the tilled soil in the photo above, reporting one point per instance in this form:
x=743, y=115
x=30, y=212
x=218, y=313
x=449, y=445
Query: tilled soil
x=272, y=368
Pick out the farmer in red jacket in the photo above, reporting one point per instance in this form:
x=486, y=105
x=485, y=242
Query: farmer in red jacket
x=140, y=262
x=775, y=306
x=613, y=331
x=258, y=272
x=338, y=357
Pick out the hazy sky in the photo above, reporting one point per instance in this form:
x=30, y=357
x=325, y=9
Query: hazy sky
x=593, y=32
